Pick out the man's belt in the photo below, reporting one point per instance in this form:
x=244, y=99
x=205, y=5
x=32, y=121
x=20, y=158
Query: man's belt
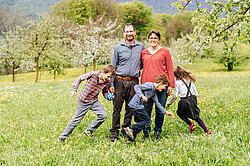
x=126, y=78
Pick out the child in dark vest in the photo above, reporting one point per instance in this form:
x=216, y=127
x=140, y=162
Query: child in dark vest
x=143, y=93
x=187, y=106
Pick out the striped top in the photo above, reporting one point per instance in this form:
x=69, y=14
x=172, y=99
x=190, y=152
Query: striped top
x=92, y=87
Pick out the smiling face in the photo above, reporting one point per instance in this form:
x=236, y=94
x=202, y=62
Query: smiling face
x=129, y=33
x=105, y=76
x=161, y=87
x=154, y=40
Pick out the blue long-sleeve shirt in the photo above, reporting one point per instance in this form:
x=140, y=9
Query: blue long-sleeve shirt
x=126, y=59
x=148, y=90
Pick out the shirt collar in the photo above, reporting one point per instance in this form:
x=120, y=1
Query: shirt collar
x=123, y=43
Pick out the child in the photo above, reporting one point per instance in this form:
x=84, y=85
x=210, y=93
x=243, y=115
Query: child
x=187, y=106
x=87, y=100
x=143, y=93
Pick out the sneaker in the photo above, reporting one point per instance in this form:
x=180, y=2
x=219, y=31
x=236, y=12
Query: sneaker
x=192, y=128
x=209, y=132
x=114, y=136
x=157, y=136
x=123, y=132
x=89, y=134
x=145, y=137
x=62, y=140
x=129, y=133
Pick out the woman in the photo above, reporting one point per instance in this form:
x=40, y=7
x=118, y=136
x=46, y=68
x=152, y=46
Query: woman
x=156, y=61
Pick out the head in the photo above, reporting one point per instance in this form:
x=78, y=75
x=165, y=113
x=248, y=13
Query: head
x=107, y=73
x=154, y=38
x=180, y=73
x=129, y=32
x=161, y=82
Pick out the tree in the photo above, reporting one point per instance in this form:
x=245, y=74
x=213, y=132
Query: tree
x=47, y=42
x=11, y=49
x=222, y=21
x=94, y=42
x=138, y=14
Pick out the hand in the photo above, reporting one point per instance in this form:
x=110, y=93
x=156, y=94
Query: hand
x=73, y=93
x=144, y=98
x=169, y=91
x=112, y=90
x=170, y=114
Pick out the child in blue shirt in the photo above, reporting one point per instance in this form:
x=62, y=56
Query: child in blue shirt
x=143, y=93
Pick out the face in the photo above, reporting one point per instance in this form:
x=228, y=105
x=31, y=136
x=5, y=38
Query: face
x=161, y=87
x=129, y=33
x=105, y=76
x=153, y=40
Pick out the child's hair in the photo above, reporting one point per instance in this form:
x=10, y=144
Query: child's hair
x=181, y=73
x=109, y=69
x=162, y=79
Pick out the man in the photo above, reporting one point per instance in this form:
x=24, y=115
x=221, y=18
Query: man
x=126, y=60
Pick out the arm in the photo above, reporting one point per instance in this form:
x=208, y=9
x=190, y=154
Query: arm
x=139, y=88
x=105, y=90
x=175, y=95
x=80, y=79
x=170, y=70
x=159, y=106
x=114, y=61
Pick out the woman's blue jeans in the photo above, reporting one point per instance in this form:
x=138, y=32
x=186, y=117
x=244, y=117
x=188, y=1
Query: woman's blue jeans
x=159, y=116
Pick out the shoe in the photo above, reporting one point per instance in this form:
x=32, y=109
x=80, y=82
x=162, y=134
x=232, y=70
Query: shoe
x=209, y=132
x=62, y=140
x=123, y=132
x=114, y=136
x=157, y=136
x=145, y=137
x=89, y=134
x=192, y=128
x=129, y=133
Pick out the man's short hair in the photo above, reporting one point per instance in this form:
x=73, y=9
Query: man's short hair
x=109, y=69
x=162, y=79
x=127, y=25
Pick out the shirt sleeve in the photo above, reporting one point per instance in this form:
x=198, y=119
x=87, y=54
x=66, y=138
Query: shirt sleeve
x=158, y=105
x=139, y=88
x=80, y=79
x=114, y=61
x=175, y=95
x=170, y=70
x=105, y=90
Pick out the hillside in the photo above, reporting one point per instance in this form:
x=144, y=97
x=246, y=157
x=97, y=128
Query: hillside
x=37, y=7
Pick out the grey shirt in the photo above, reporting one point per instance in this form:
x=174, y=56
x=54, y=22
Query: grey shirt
x=148, y=90
x=126, y=59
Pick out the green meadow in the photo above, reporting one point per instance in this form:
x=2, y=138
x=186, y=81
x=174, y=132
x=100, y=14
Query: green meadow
x=33, y=115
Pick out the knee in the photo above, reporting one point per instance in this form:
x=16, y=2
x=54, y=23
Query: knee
x=103, y=116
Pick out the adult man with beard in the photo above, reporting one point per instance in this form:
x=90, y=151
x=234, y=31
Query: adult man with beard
x=127, y=62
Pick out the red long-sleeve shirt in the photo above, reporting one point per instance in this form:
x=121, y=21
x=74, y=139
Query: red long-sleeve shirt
x=160, y=63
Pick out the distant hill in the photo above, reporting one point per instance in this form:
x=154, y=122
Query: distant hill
x=164, y=6
x=37, y=7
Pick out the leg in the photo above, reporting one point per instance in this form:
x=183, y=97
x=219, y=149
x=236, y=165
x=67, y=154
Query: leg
x=148, y=108
x=129, y=93
x=142, y=119
x=159, y=117
x=117, y=106
x=201, y=123
x=81, y=110
x=98, y=109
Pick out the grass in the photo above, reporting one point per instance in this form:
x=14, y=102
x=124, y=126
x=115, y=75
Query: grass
x=33, y=115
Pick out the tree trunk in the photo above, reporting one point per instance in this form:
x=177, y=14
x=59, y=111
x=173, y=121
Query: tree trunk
x=13, y=74
x=37, y=69
x=230, y=66
x=94, y=64
x=85, y=69
x=54, y=74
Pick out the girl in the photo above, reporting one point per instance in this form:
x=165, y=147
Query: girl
x=187, y=106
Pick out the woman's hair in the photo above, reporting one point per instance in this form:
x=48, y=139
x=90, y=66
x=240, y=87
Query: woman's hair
x=109, y=69
x=162, y=79
x=157, y=33
x=181, y=74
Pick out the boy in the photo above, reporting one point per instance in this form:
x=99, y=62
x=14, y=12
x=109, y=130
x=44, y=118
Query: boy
x=87, y=100
x=143, y=93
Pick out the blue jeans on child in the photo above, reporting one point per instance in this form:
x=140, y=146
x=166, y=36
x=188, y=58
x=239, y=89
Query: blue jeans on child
x=142, y=120
x=159, y=117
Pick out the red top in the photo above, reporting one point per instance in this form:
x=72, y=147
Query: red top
x=157, y=64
